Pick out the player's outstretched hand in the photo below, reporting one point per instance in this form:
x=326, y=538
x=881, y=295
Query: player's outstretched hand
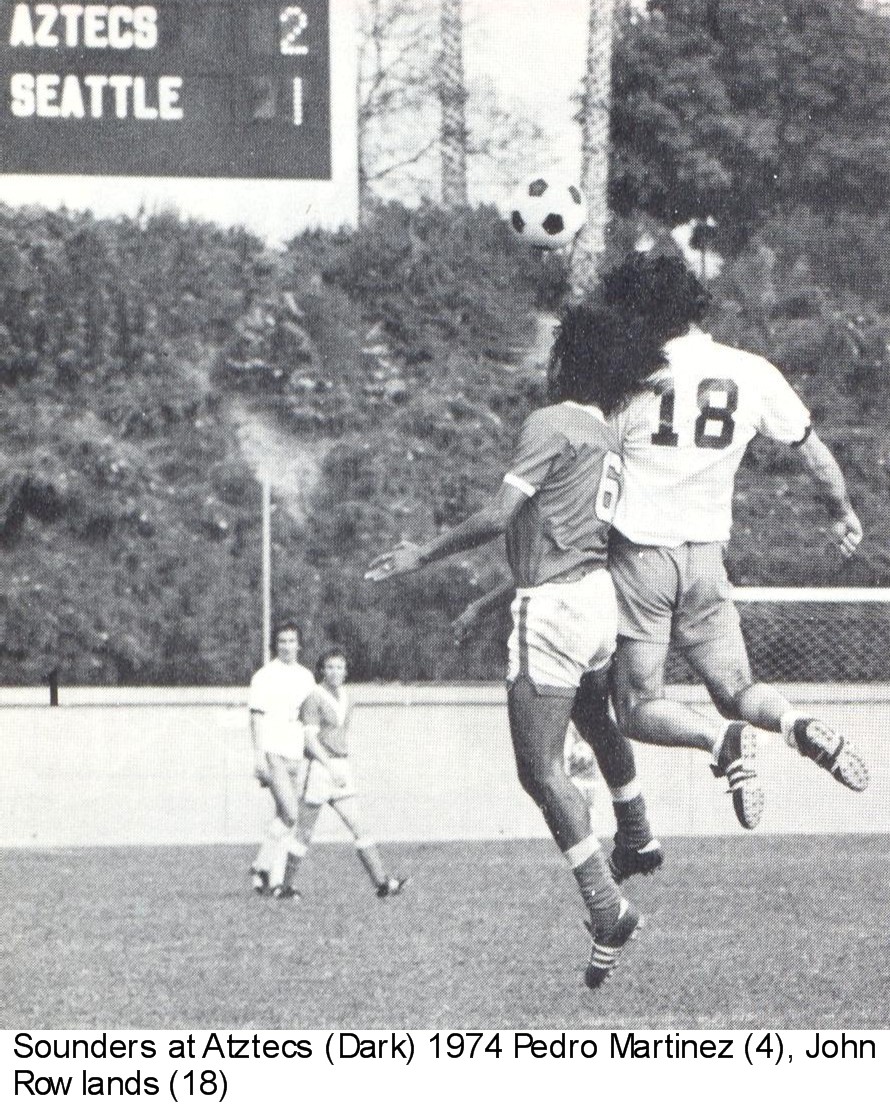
x=848, y=533
x=405, y=558
x=464, y=625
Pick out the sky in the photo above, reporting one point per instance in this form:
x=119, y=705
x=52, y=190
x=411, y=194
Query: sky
x=531, y=52
x=534, y=53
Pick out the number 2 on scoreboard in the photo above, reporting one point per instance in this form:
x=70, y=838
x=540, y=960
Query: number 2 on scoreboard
x=294, y=22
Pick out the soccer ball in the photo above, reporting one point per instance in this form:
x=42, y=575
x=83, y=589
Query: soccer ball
x=547, y=211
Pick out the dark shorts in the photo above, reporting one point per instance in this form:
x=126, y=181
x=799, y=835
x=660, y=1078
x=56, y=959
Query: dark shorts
x=675, y=594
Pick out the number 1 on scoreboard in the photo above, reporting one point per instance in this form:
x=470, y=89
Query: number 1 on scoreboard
x=298, y=101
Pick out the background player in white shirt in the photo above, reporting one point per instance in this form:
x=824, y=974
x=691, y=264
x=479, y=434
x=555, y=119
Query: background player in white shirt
x=681, y=444
x=277, y=692
x=325, y=714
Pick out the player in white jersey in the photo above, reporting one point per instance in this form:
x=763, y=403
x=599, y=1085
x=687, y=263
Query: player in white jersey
x=277, y=693
x=681, y=445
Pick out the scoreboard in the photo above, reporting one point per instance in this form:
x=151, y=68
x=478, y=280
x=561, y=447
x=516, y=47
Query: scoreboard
x=173, y=88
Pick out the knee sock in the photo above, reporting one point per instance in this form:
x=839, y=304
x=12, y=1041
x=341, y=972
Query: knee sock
x=617, y=764
x=630, y=814
x=265, y=857
x=290, y=853
x=598, y=889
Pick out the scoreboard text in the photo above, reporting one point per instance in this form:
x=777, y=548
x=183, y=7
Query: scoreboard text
x=174, y=88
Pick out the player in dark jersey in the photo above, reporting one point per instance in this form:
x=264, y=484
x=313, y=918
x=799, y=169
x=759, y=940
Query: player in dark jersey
x=555, y=506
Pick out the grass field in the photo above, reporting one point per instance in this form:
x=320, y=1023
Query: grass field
x=787, y=931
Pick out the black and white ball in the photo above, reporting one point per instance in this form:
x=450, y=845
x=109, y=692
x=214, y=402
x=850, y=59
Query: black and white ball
x=547, y=211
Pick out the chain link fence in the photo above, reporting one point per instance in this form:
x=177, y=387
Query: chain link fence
x=830, y=635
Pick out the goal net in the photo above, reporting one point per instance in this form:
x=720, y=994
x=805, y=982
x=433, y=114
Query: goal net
x=812, y=635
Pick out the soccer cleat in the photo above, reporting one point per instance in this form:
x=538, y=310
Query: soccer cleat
x=736, y=762
x=259, y=879
x=607, y=946
x=286, y=891
x=392, y=886
x=627, y=861
x=830, y=751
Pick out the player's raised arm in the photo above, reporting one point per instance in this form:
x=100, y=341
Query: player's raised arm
x=784, y=418
x=538, y=449
x=820, y=463
x=483, y=525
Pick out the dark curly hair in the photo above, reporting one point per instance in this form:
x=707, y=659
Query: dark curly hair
x=607, y=349
x=660, y=290
x=600, y=357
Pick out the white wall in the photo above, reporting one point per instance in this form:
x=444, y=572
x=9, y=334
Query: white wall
x=433, y=765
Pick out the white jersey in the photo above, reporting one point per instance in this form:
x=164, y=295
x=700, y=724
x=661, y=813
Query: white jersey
x=682, y=442
x=277, y=692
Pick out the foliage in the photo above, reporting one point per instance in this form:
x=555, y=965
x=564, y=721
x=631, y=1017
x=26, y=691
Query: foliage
x=742, y=110
x=130, y=514
x=395, y=357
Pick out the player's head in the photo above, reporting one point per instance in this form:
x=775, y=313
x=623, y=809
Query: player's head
x=600, y=357
x=332, y=667
x=287, y=637
x=660, y=290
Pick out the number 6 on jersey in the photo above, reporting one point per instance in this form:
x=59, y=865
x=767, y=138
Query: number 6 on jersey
x=609, y=488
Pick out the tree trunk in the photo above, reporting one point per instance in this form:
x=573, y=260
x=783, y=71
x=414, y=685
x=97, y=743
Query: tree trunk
x=595, y=113
x=453, y=96
x=365, y=195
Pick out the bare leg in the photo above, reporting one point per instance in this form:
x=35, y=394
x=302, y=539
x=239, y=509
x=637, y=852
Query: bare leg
x=366, y=847
x=590, y=714
x=282, y=785
x=284, y=793
x=636, y=850
x=309, y=813
x=724, y=668
x=538, y=727
x=643, y=712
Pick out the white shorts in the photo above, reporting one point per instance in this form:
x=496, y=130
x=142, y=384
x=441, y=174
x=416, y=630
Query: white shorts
x=284, y=741
x=320, y=787
x=561, y=630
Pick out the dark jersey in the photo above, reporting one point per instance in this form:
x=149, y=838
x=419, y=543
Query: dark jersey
x=331, y=715
x=567, y=464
